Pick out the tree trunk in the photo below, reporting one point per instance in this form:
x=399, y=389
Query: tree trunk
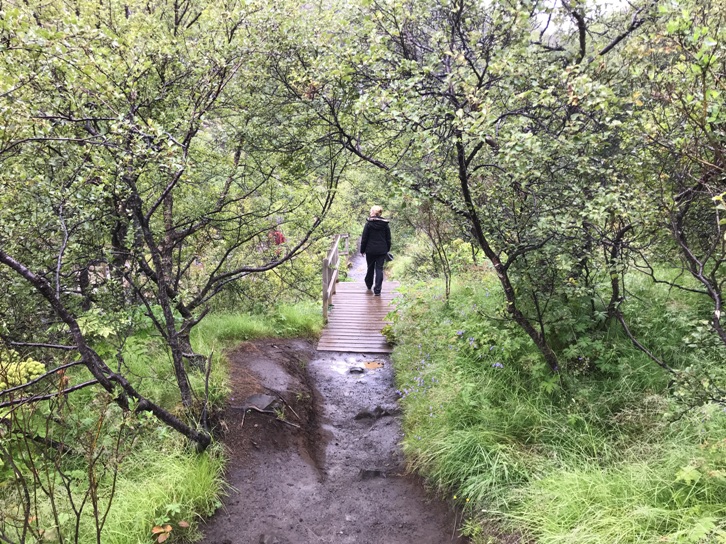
x=518, y=317
x=196, y=360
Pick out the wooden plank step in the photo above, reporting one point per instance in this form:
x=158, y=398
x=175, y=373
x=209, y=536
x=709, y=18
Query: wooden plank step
x=356, y=317
x=355, y=349
x=353, y=337
x=344, y=346
x=351, y=342
x=356, y=334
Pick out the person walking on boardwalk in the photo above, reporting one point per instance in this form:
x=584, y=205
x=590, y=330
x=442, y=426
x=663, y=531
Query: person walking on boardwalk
x=375, y=244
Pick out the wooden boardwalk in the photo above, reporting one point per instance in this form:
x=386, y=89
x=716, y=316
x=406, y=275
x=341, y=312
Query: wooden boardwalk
x=356, y=319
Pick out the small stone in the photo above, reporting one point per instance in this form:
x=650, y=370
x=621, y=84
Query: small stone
x=260, y=401
x=356, y=370
x=373, y=413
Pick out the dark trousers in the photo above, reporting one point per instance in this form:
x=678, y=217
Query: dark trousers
x=375, y=264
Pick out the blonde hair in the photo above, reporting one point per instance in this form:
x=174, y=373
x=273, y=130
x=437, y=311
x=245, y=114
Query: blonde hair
x=376, y=211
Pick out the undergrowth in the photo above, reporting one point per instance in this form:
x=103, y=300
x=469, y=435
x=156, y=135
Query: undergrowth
x=158, y=486
x=179, y=487
x=599, y=454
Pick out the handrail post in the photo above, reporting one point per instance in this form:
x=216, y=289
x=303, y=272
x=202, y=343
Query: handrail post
x=331, y=264
x=325, y=289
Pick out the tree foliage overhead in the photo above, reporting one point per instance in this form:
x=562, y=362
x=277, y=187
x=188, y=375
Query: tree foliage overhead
x=153, y=154
x=146, y=163
x=528, y=122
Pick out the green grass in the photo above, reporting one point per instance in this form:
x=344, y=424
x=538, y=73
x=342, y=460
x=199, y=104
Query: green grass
x=600, y=455
x=164, y=485
x=635, y=501
x=223, y=330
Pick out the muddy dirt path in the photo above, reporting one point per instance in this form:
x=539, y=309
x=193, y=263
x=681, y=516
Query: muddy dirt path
x=314, y=456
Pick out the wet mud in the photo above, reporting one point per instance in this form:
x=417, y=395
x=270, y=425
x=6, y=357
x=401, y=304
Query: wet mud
x=314, y=454
x=313, y=442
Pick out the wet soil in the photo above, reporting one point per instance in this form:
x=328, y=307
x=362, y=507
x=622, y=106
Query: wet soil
x=314, y=456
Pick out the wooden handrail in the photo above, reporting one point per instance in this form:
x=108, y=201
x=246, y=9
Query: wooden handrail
x=330, y=271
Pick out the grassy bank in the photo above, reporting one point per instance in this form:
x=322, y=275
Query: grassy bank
x=600, y=453
x=179, y=484
x=151, y=476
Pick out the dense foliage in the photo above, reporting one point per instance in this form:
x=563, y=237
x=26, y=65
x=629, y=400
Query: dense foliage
x=606, y=454
x=562, y=140
x=138, y=182
x=163, y=160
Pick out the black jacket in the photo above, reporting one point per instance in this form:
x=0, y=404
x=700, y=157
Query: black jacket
x=376, y=239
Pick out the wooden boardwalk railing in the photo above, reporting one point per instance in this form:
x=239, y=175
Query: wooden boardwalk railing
x=331, y=263
x=356, y=318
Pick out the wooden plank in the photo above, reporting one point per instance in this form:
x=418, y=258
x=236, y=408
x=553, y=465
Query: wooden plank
x=340, y=346
x=357, y=349
x=360, y=332
x=353, y=320
x=373, y=337
x=370, y=333
x=380, y=342
x=378, y=302
x=362, y=312
x=353, y=342
x=363, y=340
x=362, y=309
x=359, y=325
x=347, y=319
x=356, y=317
x=344, y=346
x=353, y=326
x=366, y=328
